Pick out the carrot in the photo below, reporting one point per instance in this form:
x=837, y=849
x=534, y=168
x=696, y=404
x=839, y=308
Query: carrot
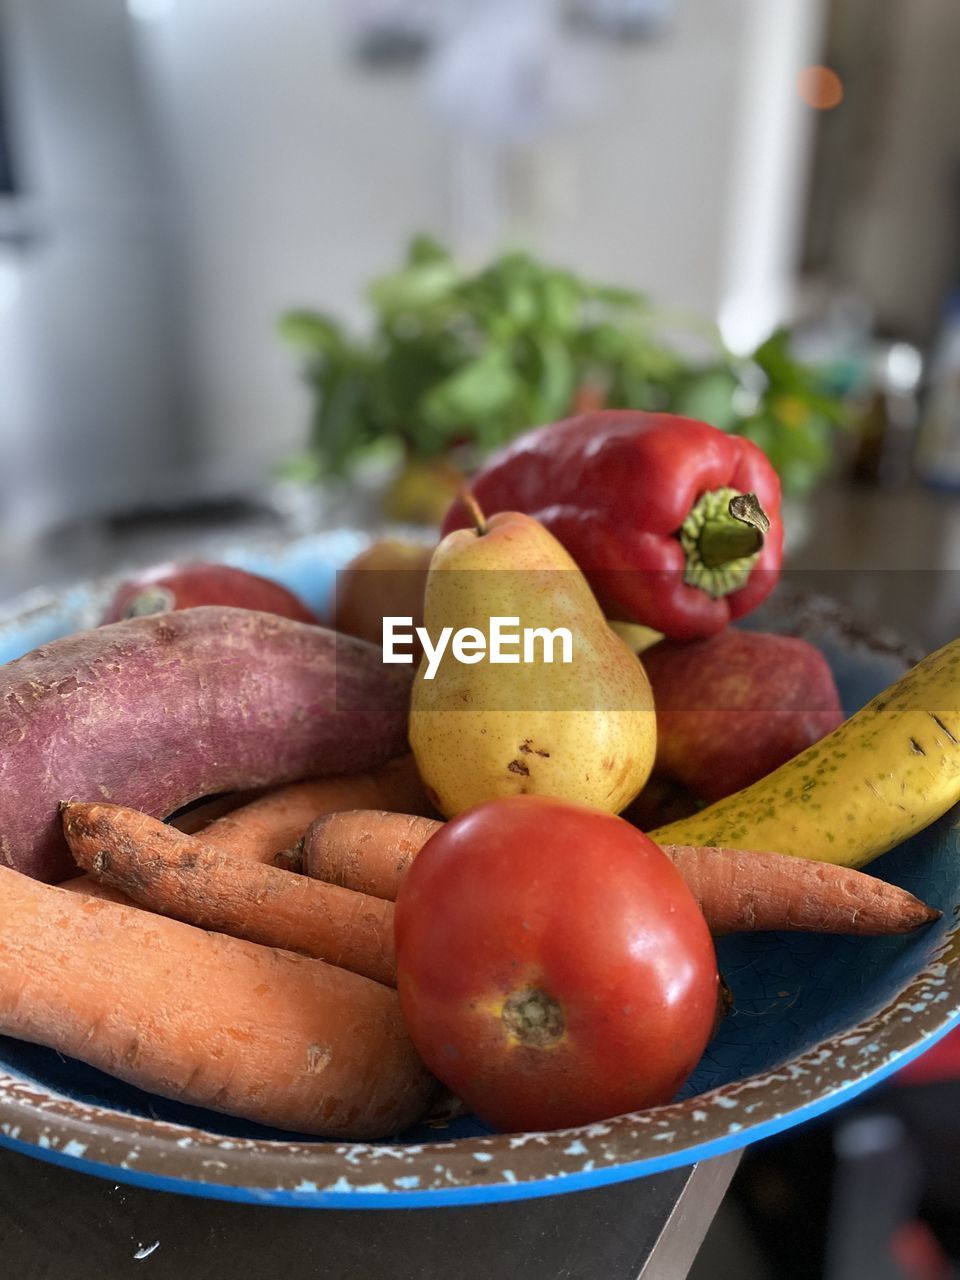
x=741, y=891
x=260, y=827
x=366, y=851
x=190, y=822
x=738, y=891
x=277, y=819
x=276, y=1038
x=184, y=877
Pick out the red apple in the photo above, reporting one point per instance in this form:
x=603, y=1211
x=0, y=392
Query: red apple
x=736, y=706
x=187, y=584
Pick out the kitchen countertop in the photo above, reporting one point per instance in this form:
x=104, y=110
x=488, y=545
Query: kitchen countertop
x=893, y=558
x=57, y=1224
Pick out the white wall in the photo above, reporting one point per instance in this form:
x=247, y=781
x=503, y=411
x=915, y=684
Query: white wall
x=191, y=177
x=299, y=175
x=88, y=385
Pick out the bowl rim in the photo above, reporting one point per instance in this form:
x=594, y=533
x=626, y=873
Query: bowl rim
x=164, y=1155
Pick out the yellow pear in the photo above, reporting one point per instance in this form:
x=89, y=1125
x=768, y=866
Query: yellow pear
x=497, y=710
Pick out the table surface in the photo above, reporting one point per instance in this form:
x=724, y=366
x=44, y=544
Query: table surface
x=57, y=1224
x=856, y=542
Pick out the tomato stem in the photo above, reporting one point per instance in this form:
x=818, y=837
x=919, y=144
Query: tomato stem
x=533, y=1018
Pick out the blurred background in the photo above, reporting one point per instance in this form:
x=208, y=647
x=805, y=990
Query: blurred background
x=274, y=267
x=196, y=197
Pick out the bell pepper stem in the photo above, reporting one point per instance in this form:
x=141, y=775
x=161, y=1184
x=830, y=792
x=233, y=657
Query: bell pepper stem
x=721, y=539
x=732, y=534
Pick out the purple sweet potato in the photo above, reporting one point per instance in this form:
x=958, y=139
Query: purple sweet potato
x=155, y=712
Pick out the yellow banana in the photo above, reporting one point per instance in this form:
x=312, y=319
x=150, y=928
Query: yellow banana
x=883, y=775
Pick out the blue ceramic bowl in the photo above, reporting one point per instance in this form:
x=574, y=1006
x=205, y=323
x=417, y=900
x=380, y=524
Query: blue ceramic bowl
x=816, y=1020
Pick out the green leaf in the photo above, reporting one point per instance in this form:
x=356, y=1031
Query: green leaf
x=424, y=248
x=831, y=408
x=762, y=431
x=303, y=468
x=709, y=396
x=520, y=305
x=614, y=296
x=416, y=286
x=800, y=451
x=341, y=427
x=481, y=388
x=774, y=358
x=556, y=382
x=472, y=358
x=604, y=343
x=561, y=303
x=312, y=331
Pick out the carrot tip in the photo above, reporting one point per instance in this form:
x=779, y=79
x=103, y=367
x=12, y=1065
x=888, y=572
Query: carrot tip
x=290, y=859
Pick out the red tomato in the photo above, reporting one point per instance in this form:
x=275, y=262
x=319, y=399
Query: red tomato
x=553, y=967
x=187, y=584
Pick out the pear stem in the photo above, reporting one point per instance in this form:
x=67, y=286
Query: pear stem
x=476, y=512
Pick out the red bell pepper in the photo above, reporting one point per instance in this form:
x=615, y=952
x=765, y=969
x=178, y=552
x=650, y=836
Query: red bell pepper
x=660, y=512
